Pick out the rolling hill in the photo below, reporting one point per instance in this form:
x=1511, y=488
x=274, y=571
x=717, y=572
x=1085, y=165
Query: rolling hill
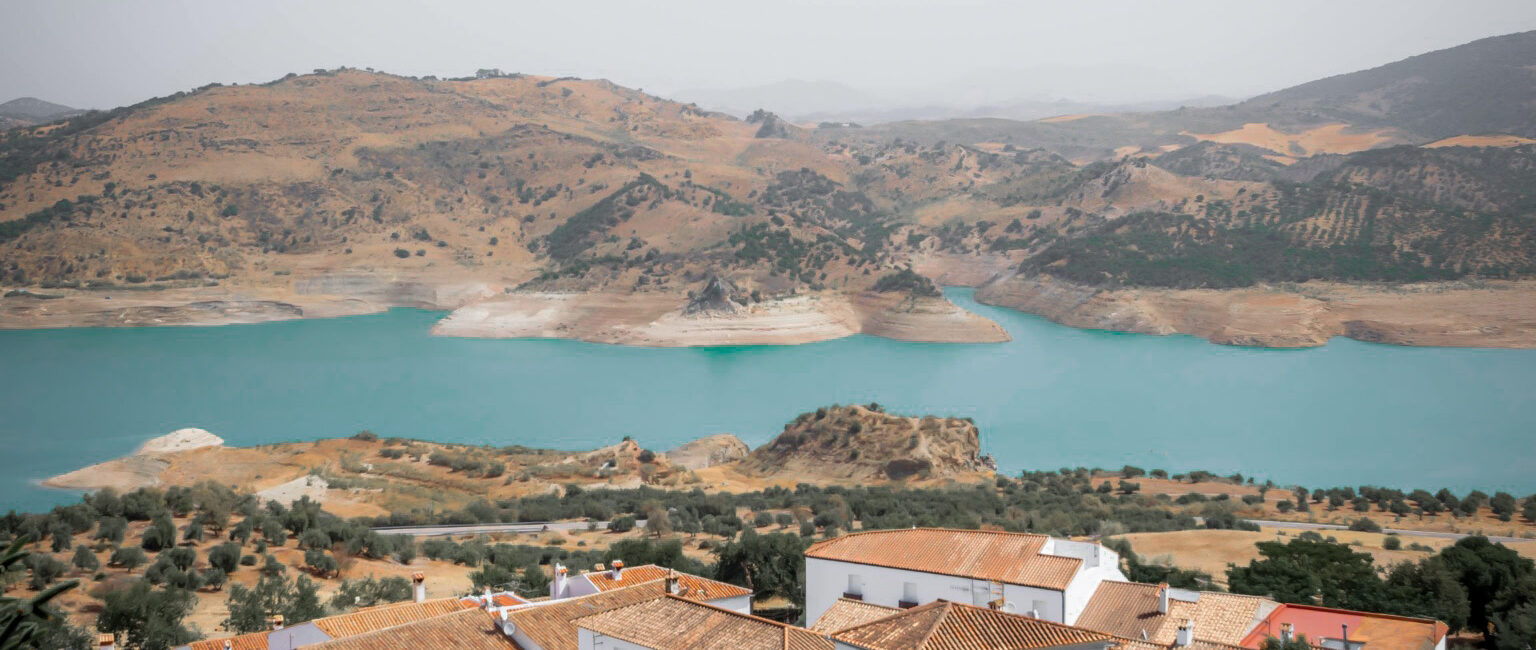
x=444, y=192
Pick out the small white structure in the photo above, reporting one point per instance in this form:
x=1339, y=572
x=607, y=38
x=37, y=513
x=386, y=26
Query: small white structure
x=692, y=587
x=1032, y=575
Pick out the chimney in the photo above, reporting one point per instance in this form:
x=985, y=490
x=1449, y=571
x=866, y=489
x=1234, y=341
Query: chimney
x=419, y=580
x=490, y=600
x=618, y=570
x=229, y=645
x=995, y=604
x=277, y=622
x=671, y=581
x=1186, y=634
x=1286, y=632
x=1162, y=598
x=557, y=586
x=109, y=642
x=599, y=567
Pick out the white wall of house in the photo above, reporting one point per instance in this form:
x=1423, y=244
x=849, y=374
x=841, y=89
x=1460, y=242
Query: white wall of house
x=828, y=580
x=738, y=604
x=588, y=640
x=1099, y=564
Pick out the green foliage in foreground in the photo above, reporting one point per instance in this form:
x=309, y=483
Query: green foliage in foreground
x=1472, y=585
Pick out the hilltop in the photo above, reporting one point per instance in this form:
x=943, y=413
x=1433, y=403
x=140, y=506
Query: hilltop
x=26, y=111
x=866, y=443
x=562, y=207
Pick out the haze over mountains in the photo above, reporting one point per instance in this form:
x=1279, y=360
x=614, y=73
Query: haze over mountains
x=529, y=184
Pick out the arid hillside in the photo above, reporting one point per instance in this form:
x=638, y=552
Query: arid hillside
x=561, y=207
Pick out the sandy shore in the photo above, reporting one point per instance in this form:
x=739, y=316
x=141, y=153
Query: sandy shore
x=657, y=320
x=142, y=468
x=1484, y=314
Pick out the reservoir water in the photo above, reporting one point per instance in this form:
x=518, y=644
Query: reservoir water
x=1349, y=413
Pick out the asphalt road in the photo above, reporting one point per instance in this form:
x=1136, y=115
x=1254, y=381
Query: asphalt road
x=476, y=529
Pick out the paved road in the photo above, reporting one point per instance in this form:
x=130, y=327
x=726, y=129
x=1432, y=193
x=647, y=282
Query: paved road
x=1395, y=531
x=476, y=529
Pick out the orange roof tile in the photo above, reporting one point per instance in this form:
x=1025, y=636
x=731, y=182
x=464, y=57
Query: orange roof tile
x=367, y=620
x=689, y=584
x=342, y=625
x=1013, y=558
x=552, y=624
x=1380, y=631
x=846, y=613
x=470, y=629
x=251, y=641
x=674, y=623
x=1129, y=610
x=943, y=625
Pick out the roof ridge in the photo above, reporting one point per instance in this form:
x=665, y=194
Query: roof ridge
x=1019, y=533
x=937, y=623
x=1038, y=620
x=904, y=612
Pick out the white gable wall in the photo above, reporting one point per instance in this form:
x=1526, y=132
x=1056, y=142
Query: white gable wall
x=827, y=580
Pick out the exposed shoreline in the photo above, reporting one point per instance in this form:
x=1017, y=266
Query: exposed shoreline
x=1491, y=314
x=1488, y=314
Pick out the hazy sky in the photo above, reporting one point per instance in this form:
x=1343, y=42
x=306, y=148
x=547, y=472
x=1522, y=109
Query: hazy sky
x=103, y=53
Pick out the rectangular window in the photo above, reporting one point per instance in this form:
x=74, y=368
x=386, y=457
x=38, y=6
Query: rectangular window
x=855, y=586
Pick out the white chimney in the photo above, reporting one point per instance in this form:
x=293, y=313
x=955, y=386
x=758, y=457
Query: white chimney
x=557, y=586
x=671, y=581
x=618, y=570
x=277, y=622
x=419, y=580
x=1186, y=634
x=1162, y=598
x=490, y=601
x=1286, y=632
x=229, y=645
x=109, y=642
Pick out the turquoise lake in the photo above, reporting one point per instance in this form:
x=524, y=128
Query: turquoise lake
x=1349, y=413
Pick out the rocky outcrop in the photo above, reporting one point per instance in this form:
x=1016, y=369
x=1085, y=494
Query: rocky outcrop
x=717, y=297
x=864, y=442
x=709, y=451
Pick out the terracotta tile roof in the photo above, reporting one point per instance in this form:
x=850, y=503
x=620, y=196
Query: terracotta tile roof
x=690, y=584
x=502, y=600
x=351, y=623
x=1129, y=610
x=846, y=613
x=367, y=620
x=1123, y=609
x=942, y=625
x=469, y=629
x=674, y=623
x=1219, y=618
x=252, y=641
x=1013, y=558
x=1379, y=631
x=552, y=624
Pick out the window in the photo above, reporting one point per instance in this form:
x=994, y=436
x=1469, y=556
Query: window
x=855, y=587
x=908, y=595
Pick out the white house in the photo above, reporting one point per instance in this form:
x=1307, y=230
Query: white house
x=1033, y=575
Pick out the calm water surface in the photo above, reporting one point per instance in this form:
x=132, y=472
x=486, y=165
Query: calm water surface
x=1346, y=414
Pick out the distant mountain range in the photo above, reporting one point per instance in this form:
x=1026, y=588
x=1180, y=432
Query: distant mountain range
x=810, y=102
x=26, y=111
